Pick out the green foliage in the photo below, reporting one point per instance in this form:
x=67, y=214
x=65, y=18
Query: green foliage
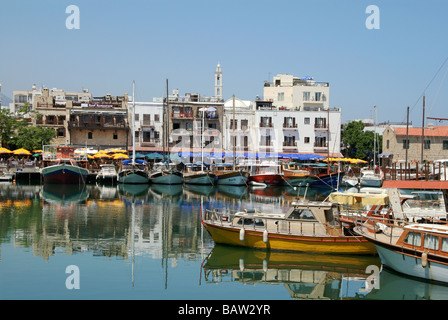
x=16, y=132
x=358, y=143
x=33, y=137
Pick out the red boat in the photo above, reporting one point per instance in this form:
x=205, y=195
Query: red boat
x=267, y=172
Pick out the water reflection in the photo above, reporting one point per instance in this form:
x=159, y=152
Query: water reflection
x=162, y=223
x=304, y=276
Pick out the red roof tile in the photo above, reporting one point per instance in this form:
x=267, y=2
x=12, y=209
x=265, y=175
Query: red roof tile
x=436, y=131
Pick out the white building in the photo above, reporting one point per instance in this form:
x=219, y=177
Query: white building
x=302, y=94
x=294, y=117
x=149, y=125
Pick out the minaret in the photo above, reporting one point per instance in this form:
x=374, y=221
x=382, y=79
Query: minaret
x=218, y=82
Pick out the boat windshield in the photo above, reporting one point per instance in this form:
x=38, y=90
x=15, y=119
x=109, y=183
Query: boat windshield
x=302, y=214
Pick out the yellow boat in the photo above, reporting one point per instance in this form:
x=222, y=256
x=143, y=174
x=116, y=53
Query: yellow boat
x=306, y=227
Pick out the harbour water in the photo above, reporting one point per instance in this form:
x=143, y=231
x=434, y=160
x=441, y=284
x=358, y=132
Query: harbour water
x=147, y=242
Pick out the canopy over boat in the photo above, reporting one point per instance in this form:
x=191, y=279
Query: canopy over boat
x=363, y=199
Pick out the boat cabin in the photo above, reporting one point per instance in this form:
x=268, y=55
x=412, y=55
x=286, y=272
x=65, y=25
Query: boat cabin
x=308, y=218
x=431, y=238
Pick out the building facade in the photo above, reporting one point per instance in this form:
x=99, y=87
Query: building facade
x=396, y=140
x=299, y=94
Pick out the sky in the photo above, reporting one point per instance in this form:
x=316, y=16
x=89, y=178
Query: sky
x=183, y=40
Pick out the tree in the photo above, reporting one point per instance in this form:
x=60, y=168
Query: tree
x=33, y=137
x=9, y=125
x=358, y=143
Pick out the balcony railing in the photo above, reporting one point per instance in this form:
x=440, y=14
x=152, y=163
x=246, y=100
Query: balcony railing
x=180, y=115
x=320, y=126
x=290, y=143
x=266, y=125
x=97, y=124
x=289, y=125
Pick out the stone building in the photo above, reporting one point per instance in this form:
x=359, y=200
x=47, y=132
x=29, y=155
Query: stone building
x=435, y=143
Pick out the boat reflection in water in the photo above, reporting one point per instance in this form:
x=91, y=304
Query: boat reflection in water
x=64, y=194
x=304, y=276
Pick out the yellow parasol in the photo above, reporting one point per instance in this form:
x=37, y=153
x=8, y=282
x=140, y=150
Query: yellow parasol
x=120, y=156
x=4, y=150
x=21, y=152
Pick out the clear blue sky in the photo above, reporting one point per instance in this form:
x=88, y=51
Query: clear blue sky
x=183, y=40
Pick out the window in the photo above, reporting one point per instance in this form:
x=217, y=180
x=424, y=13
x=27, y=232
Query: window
x=302, y=214
x=146, y=119
x=306, y=120
x=281, y=96
x=137, y=116
x=61, y=132
x=244, y=124
x=90, y=135
x=431, y=242
x=115, y=136
x=427, y=144
x=405, y=144
x=306, y=96
x=157, y=117
x=445, y=244
x=445, y=144
x=306, y=140
x=413, y=239
x=387, y=144
x=317, y=96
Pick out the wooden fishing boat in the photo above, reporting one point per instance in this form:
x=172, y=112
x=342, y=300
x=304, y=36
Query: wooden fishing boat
x=306, y=227
x=228, y=174
x=196, y=174
x=265, y=172
x=294, y=176
x=61, y=167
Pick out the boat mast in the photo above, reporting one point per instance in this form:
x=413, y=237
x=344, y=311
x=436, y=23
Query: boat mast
x=133, y=123
x=234, y=137
x=423, y=129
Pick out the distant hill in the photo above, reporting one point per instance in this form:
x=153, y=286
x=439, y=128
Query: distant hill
x=6, y=100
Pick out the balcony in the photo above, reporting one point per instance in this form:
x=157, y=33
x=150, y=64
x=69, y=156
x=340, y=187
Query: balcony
x=291, y=126
x=97, y=125
x=320, y=146
x=290, y=144
x=182, y=115
x=266, y=125
x=320, y=126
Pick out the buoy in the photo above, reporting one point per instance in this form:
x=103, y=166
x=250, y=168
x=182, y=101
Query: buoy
x=241, y=263
x=265, y=236
x=242, y=235
x=424, y=259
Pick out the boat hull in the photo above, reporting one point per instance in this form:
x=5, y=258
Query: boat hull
x=269, y=179
x=411, y=264
x=288, y=242
x=133, y=177
x=64, y=174
x=330, y=181
x=167, y=178
x=371, y=183
x=234, y=178
x=200, y=178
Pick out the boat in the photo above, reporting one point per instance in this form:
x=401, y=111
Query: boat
x=62, y=167
x=324, y=175
x=418, y=250
x=165, y=174
x=294, y=175
x=133, y=171
x=107, y=173
x=369, y=178
x=195, y=174
x=308, y=226
x=228, y=174
x=266, y=173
